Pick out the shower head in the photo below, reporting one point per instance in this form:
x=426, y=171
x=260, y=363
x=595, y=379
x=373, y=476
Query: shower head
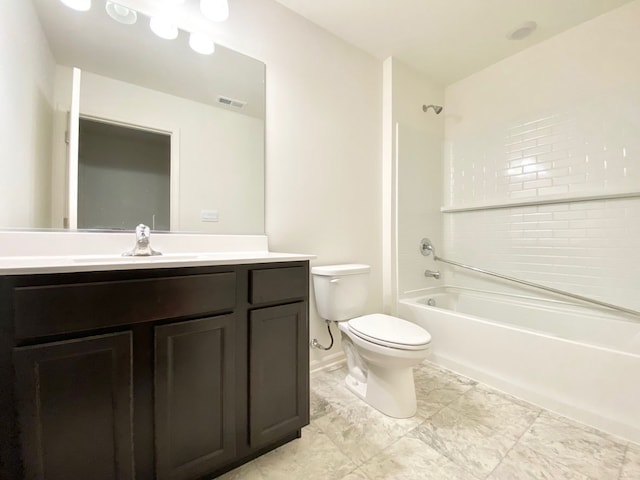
x=436, y=108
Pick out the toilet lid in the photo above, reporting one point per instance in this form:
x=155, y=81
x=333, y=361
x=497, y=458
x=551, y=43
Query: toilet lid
x=390, y=331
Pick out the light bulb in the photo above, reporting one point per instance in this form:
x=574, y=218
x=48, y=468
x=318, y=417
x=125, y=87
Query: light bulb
x=216, y=10
x=163, y=28
x=201, y=43
x=121, y=14
x=80, y=5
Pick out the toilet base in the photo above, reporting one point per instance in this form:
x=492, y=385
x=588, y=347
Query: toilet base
x=391, y=391
x=358, y=388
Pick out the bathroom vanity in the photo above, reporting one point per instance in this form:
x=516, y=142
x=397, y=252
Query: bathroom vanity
x=160, y=372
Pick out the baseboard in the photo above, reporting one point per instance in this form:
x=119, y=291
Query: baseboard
x=328, y=362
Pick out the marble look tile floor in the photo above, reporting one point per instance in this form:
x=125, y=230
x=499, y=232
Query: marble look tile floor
x=462, y=431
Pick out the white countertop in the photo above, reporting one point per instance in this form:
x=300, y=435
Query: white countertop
x=30, y=252
x=23, y=265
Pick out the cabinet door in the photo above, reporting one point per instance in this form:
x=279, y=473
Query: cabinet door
x=194, y=397
x=74, y=408
x=278, y=372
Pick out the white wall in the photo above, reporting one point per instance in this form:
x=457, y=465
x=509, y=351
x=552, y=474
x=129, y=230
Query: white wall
x=560, y=120
x=323, y=142
x=26, y=93
x=417, y=172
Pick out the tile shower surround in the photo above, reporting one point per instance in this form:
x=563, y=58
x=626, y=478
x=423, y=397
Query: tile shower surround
x=588, y=149
x=462, y=431
x=587, y=247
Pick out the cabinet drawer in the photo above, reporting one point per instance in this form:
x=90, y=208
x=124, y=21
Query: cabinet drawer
x=275, y=284
x=56, y=309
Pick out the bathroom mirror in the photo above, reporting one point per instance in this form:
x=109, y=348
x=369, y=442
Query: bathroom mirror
x=211, y=106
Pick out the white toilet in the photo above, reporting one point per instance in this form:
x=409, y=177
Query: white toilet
x=381, y=350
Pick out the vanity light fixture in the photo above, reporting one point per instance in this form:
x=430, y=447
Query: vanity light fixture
x=161, y=25
x=121, y=13
x=163, y=28
x=201, y=43
x=80, y=5
x=215, y=10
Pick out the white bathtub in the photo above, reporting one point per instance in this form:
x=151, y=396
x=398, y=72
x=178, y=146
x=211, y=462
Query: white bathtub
x=578, y=361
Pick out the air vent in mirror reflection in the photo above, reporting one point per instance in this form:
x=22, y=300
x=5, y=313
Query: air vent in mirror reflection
x=231, y=102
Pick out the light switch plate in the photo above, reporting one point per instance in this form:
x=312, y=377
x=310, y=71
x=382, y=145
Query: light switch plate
x=209, y=215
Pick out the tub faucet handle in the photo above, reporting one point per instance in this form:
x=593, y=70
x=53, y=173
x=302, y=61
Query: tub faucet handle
x=431, y=273
x=426, y=247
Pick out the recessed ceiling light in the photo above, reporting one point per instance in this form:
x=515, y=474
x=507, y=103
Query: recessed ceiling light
x=201, y=43
x=121, y=14
x=163, y=28
x=522, y=31
x=80, y=5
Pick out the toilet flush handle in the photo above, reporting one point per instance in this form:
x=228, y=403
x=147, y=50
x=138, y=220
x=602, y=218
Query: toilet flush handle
x=334, y=280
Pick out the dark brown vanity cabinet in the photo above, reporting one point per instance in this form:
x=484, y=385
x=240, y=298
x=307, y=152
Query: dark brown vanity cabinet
x=277, y=355
x=174, y=374
x=195, y=392
x=76, y=393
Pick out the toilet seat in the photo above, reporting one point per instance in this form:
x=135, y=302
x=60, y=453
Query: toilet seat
x=389, y=331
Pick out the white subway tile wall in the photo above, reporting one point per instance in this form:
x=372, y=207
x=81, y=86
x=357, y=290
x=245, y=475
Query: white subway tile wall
x=589, y=248
x=558, y=121
x=590, y=149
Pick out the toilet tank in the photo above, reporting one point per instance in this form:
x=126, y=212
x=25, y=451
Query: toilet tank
x=341, y=290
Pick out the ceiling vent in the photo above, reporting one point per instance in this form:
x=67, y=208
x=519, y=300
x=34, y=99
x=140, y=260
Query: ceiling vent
x=230, y=102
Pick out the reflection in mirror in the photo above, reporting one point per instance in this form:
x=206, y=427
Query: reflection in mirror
x=123, y=177
x=210, y=107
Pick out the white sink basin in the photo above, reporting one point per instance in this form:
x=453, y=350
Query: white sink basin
x=100, y=259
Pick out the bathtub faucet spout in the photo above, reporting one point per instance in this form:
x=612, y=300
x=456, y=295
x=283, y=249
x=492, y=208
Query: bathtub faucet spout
x=431, y=273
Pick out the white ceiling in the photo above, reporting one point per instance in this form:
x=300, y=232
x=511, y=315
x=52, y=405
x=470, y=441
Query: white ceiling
x=447, y=40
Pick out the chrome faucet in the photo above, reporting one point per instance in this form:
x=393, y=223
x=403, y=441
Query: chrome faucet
x=431, y=273
x=143, y=246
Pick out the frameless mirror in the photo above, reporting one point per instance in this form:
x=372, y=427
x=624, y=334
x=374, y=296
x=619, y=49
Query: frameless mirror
x=181, y=133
